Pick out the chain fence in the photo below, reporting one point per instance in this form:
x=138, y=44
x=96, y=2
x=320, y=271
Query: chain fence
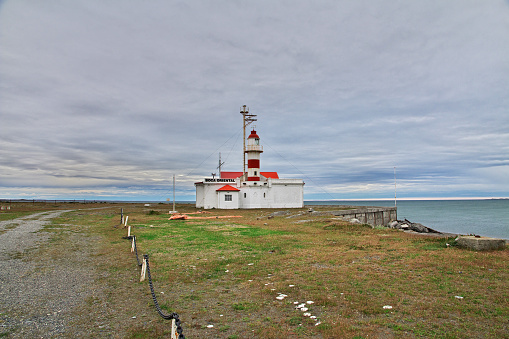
x=172, y=316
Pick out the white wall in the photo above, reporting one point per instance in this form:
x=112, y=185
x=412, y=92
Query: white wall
x=279, y=193
x=223, y=204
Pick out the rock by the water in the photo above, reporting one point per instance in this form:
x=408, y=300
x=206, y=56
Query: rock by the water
x=418, y=227
x=412, y=226
x=393, y=224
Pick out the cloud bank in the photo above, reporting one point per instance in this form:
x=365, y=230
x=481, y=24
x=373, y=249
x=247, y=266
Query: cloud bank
x=109, y=100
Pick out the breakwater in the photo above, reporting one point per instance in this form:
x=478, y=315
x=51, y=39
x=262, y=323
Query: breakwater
x=370, y=215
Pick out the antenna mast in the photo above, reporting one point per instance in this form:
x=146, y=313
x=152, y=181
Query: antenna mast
x=395, y=186
x=220, y=164
x=247, y=119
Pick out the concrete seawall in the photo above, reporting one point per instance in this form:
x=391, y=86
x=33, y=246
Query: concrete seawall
x=370, y=215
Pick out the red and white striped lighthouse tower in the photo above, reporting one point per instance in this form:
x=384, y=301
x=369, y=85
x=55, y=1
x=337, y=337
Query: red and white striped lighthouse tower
x=253, y=150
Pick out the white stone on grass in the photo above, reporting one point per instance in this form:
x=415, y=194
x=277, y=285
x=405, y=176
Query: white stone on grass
x=309, y=302
x=387, y=307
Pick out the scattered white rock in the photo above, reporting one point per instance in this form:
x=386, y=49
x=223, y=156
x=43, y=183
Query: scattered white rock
x=133, y=317
x=251, y=264
x=210, y=326
x=295, y=302
x=458, y=297
x=291, y=285
x=387, y=307
x=300, y=306
x=318, y=323
x=304, y=309
x=313, y=317
x=227, y=271
x=250, y=280
x=307, y=314
x=309, y=302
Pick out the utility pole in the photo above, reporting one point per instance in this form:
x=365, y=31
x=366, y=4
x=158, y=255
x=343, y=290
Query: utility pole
x=172, y=212
x=247, y=119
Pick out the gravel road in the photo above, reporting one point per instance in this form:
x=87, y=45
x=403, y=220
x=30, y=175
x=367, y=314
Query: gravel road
x=37, y=292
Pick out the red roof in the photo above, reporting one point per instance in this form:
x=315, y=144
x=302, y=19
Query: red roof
x=253, y=135
x=230, y=175
x=227, y=188
x=272, y=175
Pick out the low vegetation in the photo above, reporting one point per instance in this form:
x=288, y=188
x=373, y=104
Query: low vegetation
x=244, y=277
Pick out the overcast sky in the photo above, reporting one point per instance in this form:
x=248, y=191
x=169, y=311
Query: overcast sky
x=109, y=99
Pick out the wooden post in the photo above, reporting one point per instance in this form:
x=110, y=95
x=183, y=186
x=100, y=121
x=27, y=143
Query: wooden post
x=143, y=270
x=129, y=231
x=126, y=218
x=173, y=329
x=132, y=244
x=121, y=216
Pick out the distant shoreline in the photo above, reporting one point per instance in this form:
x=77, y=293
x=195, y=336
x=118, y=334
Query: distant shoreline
x=306, y=202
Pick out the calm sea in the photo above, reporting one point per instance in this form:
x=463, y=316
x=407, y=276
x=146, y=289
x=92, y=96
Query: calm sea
x=488, y=218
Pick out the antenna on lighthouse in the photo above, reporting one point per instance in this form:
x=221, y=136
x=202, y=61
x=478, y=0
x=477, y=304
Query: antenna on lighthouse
x=220, y=164
x=247, y=119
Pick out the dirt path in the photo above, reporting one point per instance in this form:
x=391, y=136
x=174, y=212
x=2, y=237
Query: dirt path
x=39, y=293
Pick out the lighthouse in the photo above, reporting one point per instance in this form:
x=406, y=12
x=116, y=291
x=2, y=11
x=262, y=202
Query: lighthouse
x=251, y=188
x=253, y=151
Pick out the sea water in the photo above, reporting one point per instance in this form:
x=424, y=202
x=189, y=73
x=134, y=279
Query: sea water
x=489, y=218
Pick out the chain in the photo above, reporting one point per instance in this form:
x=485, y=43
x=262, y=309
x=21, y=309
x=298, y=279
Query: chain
x=158, y=308
x=136, y=251
x=133, y=238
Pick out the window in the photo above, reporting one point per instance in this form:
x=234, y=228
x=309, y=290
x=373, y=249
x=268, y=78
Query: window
x=264, y=195
x=227, y=197
x=255, y=173
x=245, y=195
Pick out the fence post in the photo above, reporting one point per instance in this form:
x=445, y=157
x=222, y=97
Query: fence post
x=121, y=216
x=173, y=329
x=126, y=218
x=132, y=245
x=143, y=270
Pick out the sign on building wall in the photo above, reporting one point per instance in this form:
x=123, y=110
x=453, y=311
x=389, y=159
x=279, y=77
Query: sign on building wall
x=219, y=180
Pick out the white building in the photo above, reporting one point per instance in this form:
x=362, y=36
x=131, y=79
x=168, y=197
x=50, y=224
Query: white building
x=251, y=189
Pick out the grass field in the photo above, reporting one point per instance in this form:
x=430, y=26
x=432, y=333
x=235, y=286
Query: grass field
x=224, y=276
